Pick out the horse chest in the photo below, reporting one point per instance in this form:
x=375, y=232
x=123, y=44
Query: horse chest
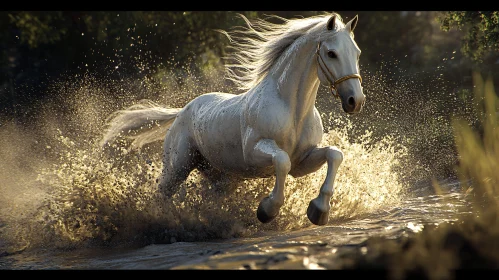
x=295, y=138
x=303, y=140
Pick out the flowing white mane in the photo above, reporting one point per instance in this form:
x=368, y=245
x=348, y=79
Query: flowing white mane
x=259, y=45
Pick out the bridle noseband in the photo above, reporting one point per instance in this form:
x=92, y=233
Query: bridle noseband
x=333, y=82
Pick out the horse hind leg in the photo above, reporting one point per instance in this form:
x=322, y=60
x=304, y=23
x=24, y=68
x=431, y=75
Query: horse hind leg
x=318, y=208
x=178, y=162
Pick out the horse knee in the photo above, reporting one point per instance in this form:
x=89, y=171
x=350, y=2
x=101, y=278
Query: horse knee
x=334, y=154
x=282, y=162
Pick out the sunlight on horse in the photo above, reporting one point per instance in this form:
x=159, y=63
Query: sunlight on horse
x=273, y=127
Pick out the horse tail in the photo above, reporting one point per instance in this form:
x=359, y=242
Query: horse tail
x=144, y=122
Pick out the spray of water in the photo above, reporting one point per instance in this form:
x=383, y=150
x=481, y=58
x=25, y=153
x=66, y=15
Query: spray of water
x=60, y=189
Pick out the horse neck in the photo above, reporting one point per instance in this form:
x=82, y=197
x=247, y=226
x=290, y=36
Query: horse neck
x=296, y=77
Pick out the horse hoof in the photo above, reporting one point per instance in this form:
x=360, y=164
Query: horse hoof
x=261, y=214
x=316, y=215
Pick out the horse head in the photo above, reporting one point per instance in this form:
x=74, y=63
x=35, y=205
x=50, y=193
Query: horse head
x=338, y=63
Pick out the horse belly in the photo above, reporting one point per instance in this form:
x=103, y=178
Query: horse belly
x=216, y=132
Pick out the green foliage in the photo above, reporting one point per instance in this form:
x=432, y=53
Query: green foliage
x=482, y=31
x=38, y=28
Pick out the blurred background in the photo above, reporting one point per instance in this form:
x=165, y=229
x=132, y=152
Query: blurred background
x=417, y=65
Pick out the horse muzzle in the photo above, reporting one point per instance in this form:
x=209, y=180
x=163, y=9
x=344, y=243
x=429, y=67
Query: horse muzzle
x=352, y=101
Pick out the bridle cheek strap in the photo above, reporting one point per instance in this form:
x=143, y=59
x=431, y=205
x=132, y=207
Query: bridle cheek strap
x=333, y=83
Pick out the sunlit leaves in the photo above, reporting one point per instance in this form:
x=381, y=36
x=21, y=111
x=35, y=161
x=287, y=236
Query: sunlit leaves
x=482, y=31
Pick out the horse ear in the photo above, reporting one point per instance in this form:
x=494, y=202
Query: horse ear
x=352, y=23
x=331, y=22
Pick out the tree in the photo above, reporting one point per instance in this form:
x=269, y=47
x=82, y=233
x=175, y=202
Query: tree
x=481, y=38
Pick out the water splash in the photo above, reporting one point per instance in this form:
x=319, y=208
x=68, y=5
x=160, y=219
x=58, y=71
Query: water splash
x=77, y=195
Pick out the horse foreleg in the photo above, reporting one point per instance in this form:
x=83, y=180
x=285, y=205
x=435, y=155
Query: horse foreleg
x=266, y=152
x=318, y=209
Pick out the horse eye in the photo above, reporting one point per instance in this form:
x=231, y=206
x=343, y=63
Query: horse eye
x=331, y=54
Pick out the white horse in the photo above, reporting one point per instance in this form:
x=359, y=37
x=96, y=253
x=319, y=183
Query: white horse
x=274, y=127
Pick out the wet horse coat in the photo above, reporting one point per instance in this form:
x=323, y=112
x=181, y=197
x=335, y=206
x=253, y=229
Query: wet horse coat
x=274, y=127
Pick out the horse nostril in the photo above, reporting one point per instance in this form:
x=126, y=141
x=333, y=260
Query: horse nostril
x=351, y=102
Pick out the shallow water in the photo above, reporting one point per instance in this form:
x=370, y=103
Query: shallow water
x=313, y=247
